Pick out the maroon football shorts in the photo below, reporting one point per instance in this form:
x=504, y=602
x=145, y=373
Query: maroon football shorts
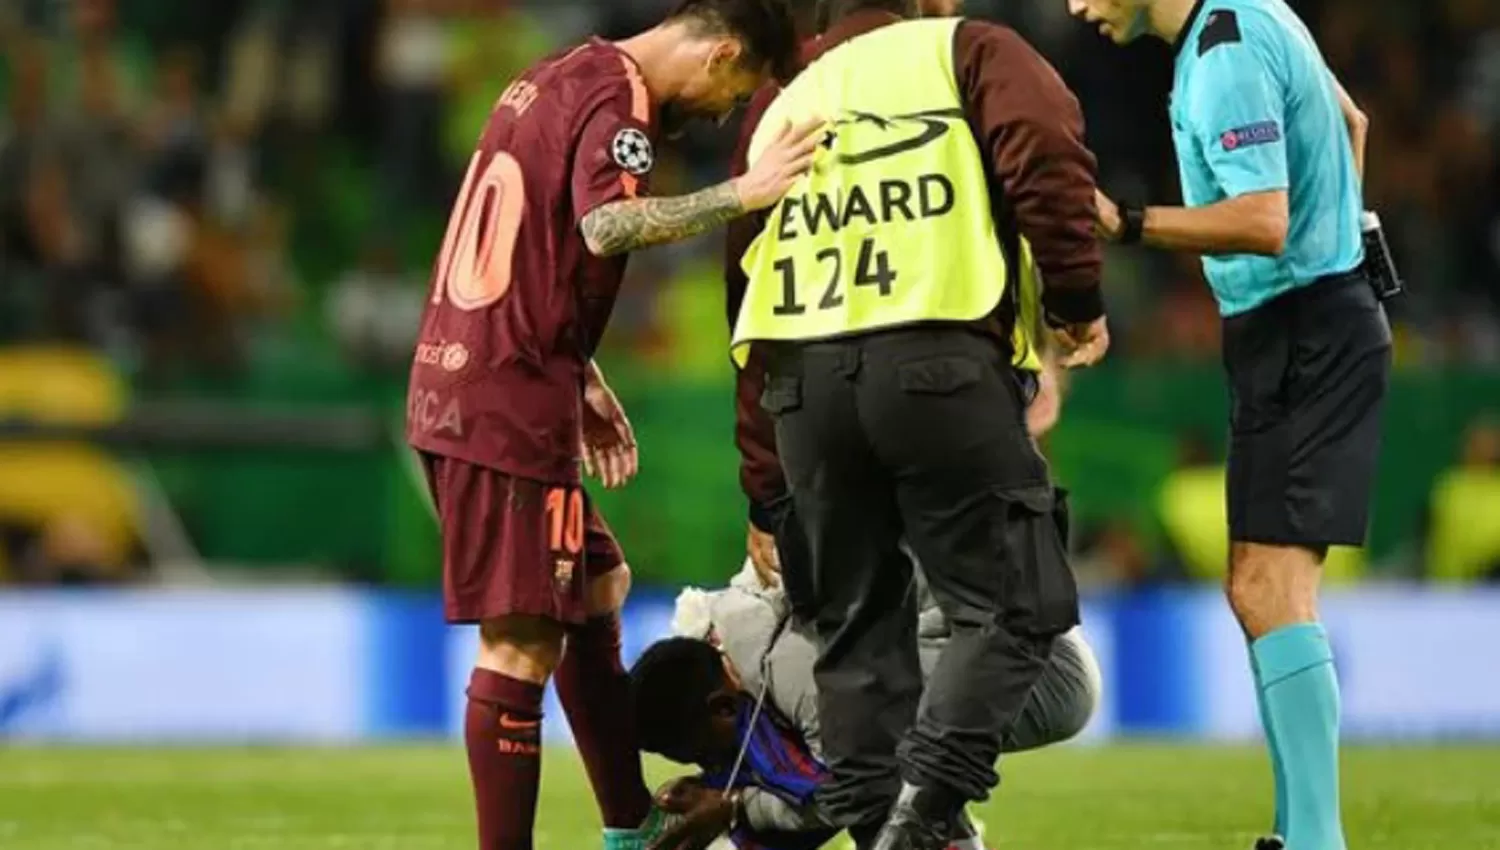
x=516, y=546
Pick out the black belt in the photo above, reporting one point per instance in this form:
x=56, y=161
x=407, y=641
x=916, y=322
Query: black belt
x=1357, y=273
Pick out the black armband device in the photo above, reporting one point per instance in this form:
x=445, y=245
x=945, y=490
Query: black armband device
x=1380, y=264
x=1133, y=224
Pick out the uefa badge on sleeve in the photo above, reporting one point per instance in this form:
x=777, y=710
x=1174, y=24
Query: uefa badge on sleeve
x=1250, y=135
x=632, y=151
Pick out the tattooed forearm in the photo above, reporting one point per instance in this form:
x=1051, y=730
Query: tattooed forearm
x=627, y=225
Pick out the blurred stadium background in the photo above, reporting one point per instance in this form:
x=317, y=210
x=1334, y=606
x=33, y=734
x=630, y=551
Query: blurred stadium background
x=216, y=223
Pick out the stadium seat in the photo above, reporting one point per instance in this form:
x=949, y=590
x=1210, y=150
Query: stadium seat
x=1464, y=543
x=42, y=482
x=1196, y=520
x=59, y=385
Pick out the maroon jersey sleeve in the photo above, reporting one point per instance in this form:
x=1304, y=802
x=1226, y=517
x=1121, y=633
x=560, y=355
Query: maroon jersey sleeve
x=616, y=146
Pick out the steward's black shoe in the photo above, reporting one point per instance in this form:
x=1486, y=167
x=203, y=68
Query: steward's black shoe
x=922, y=819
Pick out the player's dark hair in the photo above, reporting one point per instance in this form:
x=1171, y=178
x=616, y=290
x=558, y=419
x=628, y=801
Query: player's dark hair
x=670, y=687
x=767, y=28
x=830, y=11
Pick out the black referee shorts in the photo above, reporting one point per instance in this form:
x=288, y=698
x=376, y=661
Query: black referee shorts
x=1308, y=373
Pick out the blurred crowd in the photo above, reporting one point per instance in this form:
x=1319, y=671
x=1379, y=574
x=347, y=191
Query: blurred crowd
x=132, y=216
x=161, y=162
x=182, y=181
x=176, y=177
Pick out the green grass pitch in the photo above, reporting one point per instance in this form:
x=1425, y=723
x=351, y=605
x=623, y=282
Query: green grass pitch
x=416, y=798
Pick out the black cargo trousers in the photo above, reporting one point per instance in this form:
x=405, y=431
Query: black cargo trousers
x=918, y=432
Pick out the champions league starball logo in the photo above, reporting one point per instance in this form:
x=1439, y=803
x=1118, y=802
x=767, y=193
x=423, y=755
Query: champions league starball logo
x=632, y=151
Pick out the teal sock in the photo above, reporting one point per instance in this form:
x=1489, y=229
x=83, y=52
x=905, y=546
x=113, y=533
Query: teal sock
x=636, y=839
x=622, y=839
x=1302, y=702
x=1273, y=748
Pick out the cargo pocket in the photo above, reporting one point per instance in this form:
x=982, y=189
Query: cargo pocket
x=783, y=394
x=937, y=375
x=1041, y=595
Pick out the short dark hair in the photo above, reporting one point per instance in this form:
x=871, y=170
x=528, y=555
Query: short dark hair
x=766, y=27
x=670, y=687
x=831, y=11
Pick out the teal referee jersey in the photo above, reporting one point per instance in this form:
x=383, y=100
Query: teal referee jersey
x=1255, y=109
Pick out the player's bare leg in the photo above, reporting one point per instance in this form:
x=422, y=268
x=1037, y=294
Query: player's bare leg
x=594, y=688
x=1272, y=587
x=1274, y=593
x=503, y=725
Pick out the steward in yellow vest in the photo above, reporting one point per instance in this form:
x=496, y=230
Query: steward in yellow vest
x=886, y=296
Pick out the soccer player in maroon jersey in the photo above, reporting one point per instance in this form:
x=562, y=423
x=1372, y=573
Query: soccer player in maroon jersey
x=504, y=397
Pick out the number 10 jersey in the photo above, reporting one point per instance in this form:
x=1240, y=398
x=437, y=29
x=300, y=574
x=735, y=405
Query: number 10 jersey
x=518, y=304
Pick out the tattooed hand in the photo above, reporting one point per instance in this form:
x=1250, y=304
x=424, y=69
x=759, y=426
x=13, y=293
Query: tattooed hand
x=630, y=225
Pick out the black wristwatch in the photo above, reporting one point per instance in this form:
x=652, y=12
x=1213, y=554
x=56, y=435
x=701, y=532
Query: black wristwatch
x=1132, y=224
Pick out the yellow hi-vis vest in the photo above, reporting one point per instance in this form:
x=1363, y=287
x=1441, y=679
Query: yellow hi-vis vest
x=894, y=225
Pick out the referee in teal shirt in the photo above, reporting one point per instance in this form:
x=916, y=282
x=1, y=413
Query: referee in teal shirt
x=1270, y=150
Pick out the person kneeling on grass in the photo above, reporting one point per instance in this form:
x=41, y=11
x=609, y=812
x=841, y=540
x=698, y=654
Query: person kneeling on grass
x=695, y=698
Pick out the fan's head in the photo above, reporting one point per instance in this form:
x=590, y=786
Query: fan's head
x=686, y=700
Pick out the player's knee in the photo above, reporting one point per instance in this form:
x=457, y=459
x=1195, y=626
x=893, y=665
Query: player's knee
x=1272, y=586
x=606, y=594
x=521, y=647
x=1250, y=589
x=1084, y=685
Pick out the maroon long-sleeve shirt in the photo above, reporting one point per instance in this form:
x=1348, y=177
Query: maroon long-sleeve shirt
x=1042, y=178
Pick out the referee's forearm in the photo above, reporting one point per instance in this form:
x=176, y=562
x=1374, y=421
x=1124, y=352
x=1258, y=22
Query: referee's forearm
x=1359, y=126
x=1359, y=137
x=1254, y=223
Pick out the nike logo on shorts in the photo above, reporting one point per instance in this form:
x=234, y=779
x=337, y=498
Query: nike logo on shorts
x=509, y=722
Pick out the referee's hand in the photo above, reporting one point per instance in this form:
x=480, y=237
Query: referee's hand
x=1083, y=345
